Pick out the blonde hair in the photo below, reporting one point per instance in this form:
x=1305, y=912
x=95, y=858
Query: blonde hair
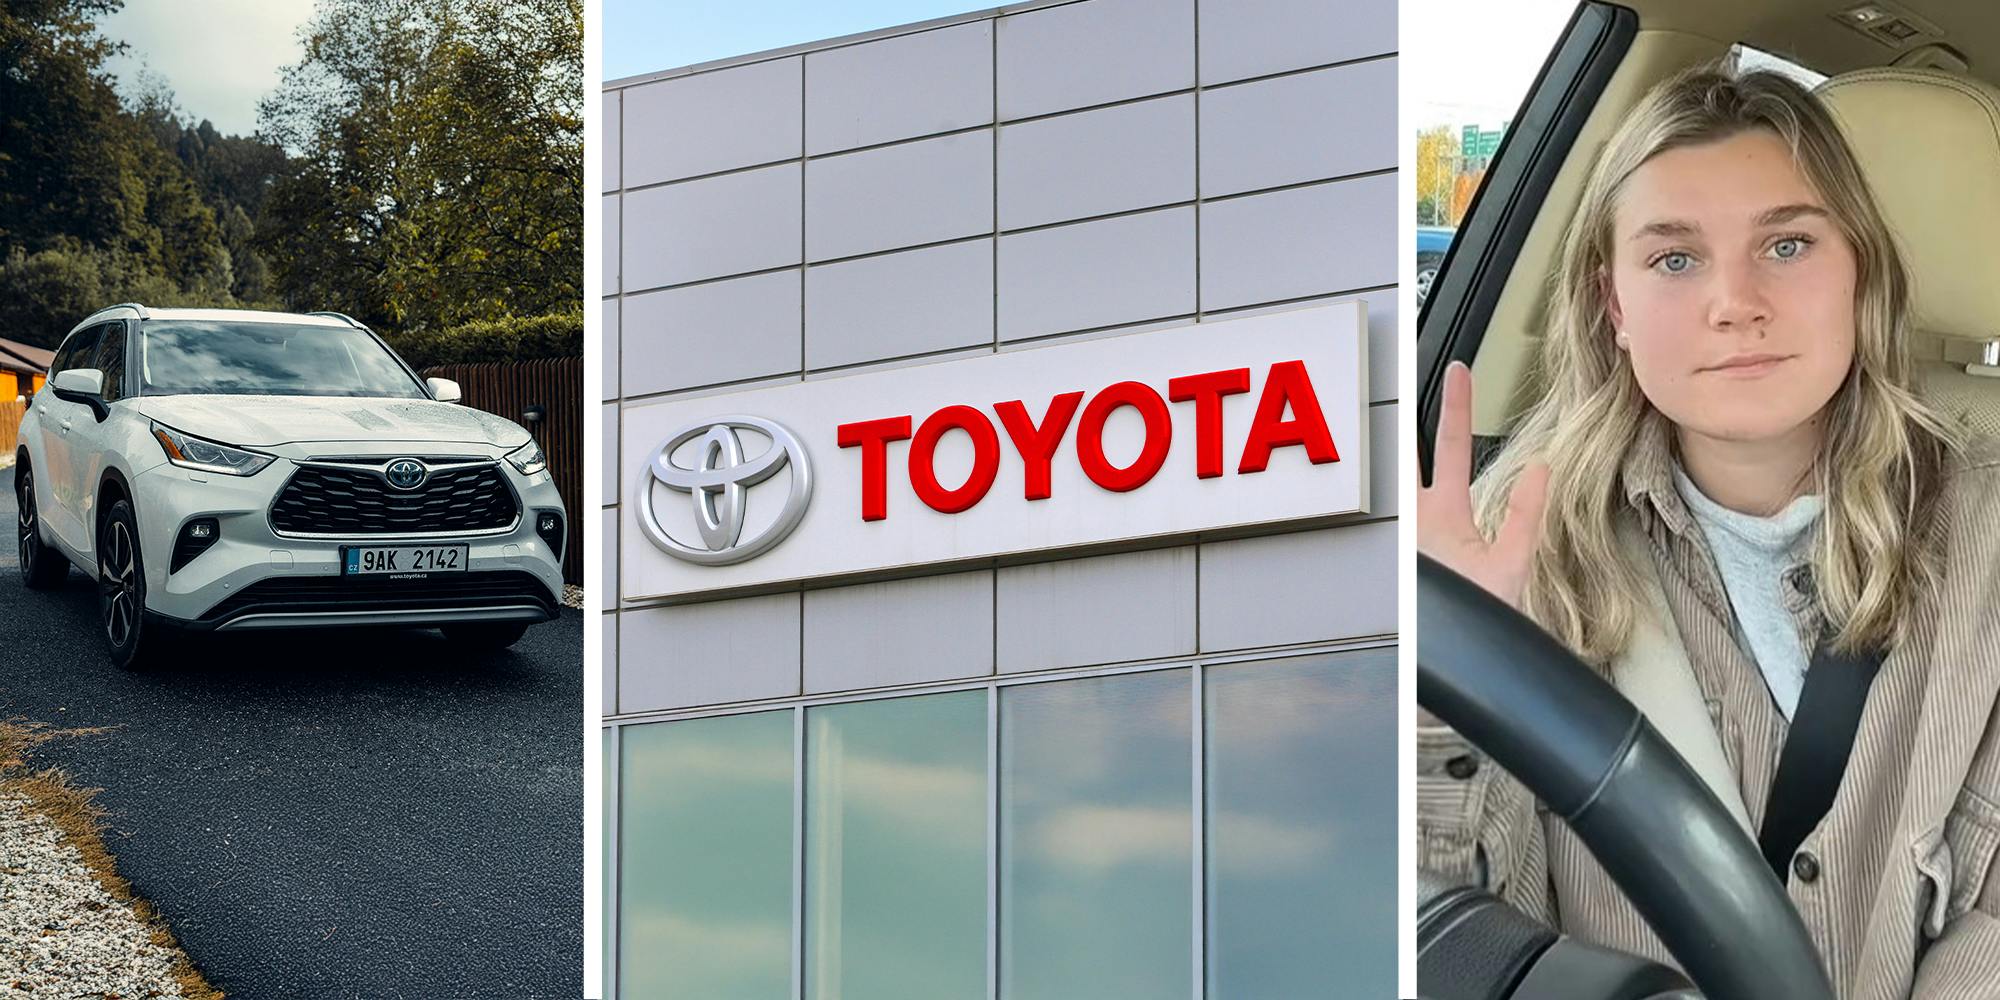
x=1881, y=459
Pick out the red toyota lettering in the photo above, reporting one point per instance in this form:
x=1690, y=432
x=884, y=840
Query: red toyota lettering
x=1287, y=384
x=985, y=459
x=1206, y=391
x=1152, y=454
x=1037, y=445
x=1288, y=414
x=874, y=436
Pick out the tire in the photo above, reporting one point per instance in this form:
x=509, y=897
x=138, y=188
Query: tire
x=484, y=637
x=42, y=567
x=1427, y=269
x=121, y=588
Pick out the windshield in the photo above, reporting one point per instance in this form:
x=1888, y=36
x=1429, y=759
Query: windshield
x=178, y=357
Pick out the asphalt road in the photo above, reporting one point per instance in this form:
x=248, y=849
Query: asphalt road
x=329, y=814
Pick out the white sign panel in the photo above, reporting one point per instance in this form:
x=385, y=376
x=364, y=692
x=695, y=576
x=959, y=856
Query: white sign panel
x=1211, y=425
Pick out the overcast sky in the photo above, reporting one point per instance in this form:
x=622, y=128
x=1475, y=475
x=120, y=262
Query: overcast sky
x=1469, y=62
x=219, y=56
x=646, y=36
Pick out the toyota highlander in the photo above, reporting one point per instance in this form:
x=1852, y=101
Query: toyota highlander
x=220, y=470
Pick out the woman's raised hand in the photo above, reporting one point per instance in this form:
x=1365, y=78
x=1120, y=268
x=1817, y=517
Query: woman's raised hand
x=1446, y=530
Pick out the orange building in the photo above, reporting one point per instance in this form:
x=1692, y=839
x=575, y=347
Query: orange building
x=23, y=369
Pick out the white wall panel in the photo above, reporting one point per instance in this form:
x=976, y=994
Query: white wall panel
x=1097, y=162
x=705, y=654
x=1245, y=38
x=719, y=331
x=700, y=124
x=901, y=632
x=708, y=228
x=1084, y=54
x=898, y=304
x=1091, y=274
x=899, y=196
x=899, y=88
x=1103, y=609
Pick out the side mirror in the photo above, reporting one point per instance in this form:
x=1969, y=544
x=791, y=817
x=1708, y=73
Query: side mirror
x=443, y=390
x=82, y=385
x=78, y=381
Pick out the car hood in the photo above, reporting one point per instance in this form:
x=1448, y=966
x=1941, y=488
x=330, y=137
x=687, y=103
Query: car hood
x=276, y=420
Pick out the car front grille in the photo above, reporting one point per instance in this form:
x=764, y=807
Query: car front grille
x=358, y=500
x=362, y=594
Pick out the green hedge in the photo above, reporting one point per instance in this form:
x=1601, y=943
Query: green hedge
x=511, y=338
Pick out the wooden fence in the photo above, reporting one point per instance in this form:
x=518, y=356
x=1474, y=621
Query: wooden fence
x=11, y=412
x=509, y=389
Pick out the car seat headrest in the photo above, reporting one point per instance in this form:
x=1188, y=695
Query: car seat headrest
x=1929, y=144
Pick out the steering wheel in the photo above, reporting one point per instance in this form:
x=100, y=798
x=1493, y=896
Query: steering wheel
x=1590, y=755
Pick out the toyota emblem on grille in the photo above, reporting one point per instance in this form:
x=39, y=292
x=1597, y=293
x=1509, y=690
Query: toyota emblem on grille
x=718, y=484
x=406, y=473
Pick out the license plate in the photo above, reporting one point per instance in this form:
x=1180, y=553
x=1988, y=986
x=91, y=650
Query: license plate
x=409, y=559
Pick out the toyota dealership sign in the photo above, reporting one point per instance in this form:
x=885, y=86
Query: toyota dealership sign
x=1148, y=435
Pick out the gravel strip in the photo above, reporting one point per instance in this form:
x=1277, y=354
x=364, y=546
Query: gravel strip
x=59, y=928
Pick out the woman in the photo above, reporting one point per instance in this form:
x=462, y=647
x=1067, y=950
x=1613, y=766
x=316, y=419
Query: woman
x=1729, y=411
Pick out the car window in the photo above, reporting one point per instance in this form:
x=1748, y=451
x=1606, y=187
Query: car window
x=80, y=345
x=111, y=360
x=1466, y=85
x=1746, y=58
x=272, y=359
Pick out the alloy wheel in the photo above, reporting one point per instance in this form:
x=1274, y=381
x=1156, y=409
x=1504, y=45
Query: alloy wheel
x=24, y=502
x=118, y=573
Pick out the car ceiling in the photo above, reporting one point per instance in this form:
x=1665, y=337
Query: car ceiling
x=1812, y=34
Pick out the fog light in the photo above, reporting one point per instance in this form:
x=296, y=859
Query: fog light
x=549, y=525
x=195, y=538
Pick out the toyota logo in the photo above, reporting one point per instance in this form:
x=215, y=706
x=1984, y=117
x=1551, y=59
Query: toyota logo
x=718, y=485
x=406, y=473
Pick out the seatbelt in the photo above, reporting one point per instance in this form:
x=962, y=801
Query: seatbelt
x=1654, y=674
x=1816, y=750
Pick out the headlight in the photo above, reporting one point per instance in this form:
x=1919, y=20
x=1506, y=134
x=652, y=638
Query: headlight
x=528, y=459
x=190, y=452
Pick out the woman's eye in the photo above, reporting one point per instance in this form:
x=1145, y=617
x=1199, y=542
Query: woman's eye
x=1674, y=263
x=1788, y=248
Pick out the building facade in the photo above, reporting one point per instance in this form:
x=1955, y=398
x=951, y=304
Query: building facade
x=1129, y=733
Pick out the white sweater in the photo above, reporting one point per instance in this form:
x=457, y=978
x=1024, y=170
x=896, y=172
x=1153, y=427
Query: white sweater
x=1753, y=555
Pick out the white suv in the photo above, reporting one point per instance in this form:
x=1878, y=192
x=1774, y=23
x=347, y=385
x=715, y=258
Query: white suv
x=224, y=469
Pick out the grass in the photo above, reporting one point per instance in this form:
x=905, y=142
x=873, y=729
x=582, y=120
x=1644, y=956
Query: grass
x=75, y=812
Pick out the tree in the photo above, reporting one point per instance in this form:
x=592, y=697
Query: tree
x=1437, y=171
x=439, y=162
x=1462, y=191
x=92, y=208
x=231, y=174
x=58, y=163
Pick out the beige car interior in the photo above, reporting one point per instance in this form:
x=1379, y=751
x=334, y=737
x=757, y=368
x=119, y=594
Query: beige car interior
x=1906, y=88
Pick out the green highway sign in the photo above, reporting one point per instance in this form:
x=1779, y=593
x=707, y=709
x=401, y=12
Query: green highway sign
x=1475, y=145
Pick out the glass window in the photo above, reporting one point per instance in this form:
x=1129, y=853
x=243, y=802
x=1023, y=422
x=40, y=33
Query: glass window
x=1301, y=826
x=79, y=346
x=1745, y=59
x=705, y=847
x=610, y=870
x=111, y=360
x=896, y=849
x=1466, y=85
x=1096, y=838
x=273, y=359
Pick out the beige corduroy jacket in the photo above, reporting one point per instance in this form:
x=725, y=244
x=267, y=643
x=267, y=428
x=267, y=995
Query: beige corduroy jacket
x=1904, y=901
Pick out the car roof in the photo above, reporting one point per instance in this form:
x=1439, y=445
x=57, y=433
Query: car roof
x=133, y=311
